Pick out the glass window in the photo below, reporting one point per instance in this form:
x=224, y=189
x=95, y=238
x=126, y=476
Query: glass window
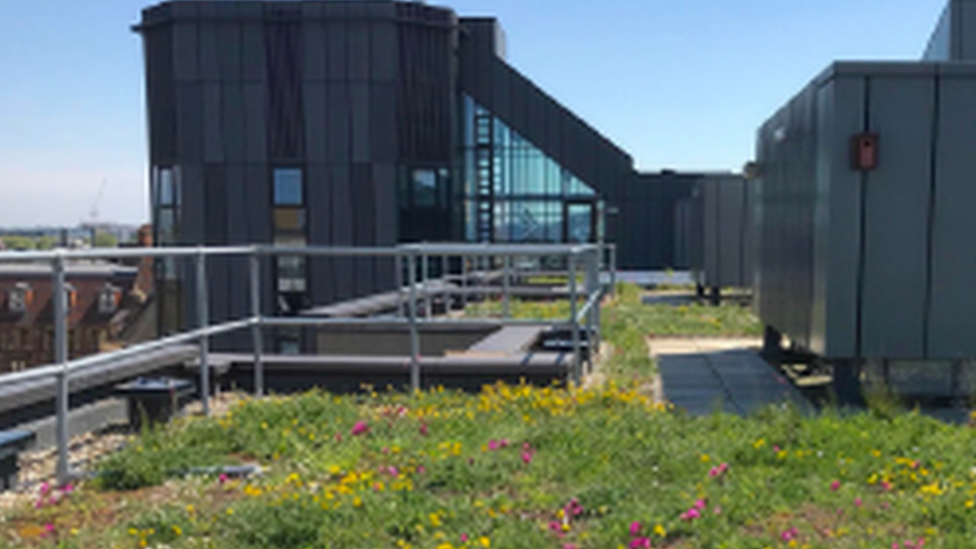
x=425, y=188
x=288, y=187
x=166, y=191
x=289, y=220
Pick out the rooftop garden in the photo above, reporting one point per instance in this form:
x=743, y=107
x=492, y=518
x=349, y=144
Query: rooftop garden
x=519, y=467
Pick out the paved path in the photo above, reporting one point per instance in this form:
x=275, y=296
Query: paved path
x=703, y=376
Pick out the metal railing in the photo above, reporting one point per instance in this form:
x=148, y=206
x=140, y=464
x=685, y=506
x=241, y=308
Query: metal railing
x=590, y=261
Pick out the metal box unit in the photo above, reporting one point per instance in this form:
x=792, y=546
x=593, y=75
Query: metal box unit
x=865, y=253
x=715, y=232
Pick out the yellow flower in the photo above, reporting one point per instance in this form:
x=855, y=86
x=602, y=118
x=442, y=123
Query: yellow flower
x=970, y=504
x=177, y=531
x=660, y=531
x=435, y=520
x=230, y=511
x=704, y=458
x=485, y=542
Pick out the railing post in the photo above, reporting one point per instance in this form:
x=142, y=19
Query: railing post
x=464, y=282
x=414, y=334
x=593, y=288
x=574, y=323
x=398, y=276
x=506, y=288
x=425, y=276
x=445, y=269
x=256, y=335
x=203, y=319
x=60, y=300
x=613, y=270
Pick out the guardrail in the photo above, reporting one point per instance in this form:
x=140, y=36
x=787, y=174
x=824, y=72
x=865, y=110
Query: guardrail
x=591, y=261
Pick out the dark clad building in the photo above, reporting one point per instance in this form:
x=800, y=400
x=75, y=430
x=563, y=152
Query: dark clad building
x=367, y=123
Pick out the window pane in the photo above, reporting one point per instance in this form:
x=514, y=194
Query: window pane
x=288, y=187
x=166, y=225
x=289, y=219
x=424, y=188
x=166, y=187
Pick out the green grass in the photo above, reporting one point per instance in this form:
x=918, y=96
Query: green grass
x=526, y=467
x=427, y=474
x=627, y=322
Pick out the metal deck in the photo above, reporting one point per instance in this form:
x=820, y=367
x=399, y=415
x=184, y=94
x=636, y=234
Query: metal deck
x=734, y=381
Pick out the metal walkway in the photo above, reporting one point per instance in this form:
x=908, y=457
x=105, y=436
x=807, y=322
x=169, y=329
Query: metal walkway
x=734, y=381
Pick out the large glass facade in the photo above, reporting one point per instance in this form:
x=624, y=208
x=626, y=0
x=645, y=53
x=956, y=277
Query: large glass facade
x=513, y=192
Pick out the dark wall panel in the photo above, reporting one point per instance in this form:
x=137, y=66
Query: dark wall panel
x=252, y=52
x=230, y=54
x=186, y=67
x=189, y=113
x=337, y=127
x=255, y=117
x=360, y=103
x=315, y=120
x=213, y=145
x=321, y=270
x=234, y=128
x=342, y=226
x=209, y=52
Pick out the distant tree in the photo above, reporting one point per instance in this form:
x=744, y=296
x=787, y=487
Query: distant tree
x=105, y=240
x=18, y=242
x=45, y=242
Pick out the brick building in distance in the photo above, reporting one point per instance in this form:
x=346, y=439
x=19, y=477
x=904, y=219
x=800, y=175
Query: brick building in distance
x=108, y=305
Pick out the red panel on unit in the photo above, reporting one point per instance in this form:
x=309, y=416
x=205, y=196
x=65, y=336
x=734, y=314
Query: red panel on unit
x=865, y=151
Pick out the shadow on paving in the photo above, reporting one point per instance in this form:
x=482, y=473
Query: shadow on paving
x=736, y=382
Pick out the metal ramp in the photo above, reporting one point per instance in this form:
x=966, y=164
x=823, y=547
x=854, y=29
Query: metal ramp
x=732, y=381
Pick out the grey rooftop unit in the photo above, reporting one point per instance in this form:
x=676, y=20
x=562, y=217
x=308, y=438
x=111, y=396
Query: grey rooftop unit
x=865, y=208
x=715, y=232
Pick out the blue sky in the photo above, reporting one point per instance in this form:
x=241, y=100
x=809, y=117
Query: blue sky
x=677, y=83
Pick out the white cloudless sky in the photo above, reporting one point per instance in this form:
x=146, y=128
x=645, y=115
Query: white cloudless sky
x=679, y=84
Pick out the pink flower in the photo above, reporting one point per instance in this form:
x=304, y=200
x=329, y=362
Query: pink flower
x=776, y=449
x=464, y=538
x=45, y=488
x=421, y=470
x=423, y=429
x=717, y=510
x=886, y=485
x=504, y=443
x=895, y=545
x=691, y=514
x=835, y=485
x=526, y=446
x=68, y=488
x=360, y=428
x=493, y=445
x=338, y=437
x=222, y=478
x=857, y=502
x=718, y=471
x=49, y=528
x=393, y=471
x=635, y=528
x=569, y=546
x=555, y=526
x=527, y=457
x=640, y=543
x=700, y=504
x=790, y=534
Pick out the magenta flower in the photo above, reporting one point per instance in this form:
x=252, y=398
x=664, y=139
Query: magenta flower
x=776, y=449
x=49, y=528
x=492, y=445
x=555, y=526
x=68, y=488
x=835, y=485
x=360, y=428
x=504, y=443
x=421, y=470
x=717, y=510
x=700, y=505
x=895, y=545
x=573, y=508
x=423, y=429
x=691, y=514
x=635, y=528
x=222, y=478
x=640, y=543
x=527, y=457
x=45, y=488
x=790, y=535
x=464, y=538
x=858, y=502
x=569, y=546
x=393, y=471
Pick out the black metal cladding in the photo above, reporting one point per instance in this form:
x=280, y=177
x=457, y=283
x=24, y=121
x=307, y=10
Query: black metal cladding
x=425, y=94
x=286, y=127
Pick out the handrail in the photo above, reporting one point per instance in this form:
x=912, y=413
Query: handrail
x=415, y=257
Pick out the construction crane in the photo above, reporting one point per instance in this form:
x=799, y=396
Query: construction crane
x=93, y=213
